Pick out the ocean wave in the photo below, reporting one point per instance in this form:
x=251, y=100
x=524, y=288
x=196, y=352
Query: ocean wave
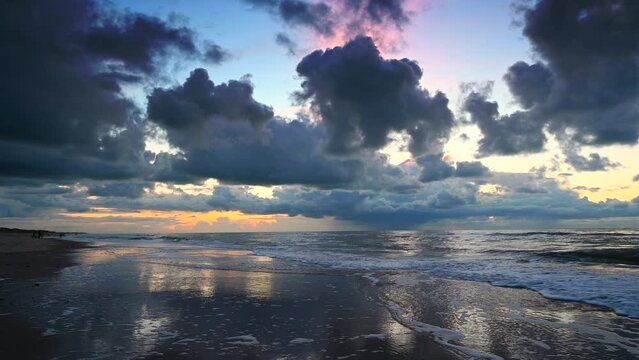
x=565, y=233
x=622, y=256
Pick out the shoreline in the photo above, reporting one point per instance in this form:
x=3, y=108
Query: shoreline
x=186, y=296
x=202, y=313
x=23, y=256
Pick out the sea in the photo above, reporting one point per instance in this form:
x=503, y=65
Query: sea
x=598, y=267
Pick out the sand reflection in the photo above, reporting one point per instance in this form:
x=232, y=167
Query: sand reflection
x=150, y=330
x=399, y=336
x=106, y=254
x=471, y=321
x=259, y=285
x=163, y=278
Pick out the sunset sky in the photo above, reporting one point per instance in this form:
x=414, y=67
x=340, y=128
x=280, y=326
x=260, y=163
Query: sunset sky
x=293, y=115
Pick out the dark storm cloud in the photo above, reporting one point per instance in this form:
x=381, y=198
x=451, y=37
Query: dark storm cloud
x=635, y=178
x=316, y=16
x=117, y=189
x=503, y=134
x=136, y=40
x=586, y=89
x=380, y=10
x=362, y=97
x=434, y=168
x=214, y=53
x=594, y=162
x=24, y=160
x=198, y=100
x=62, y=114
x=471, y=169
x=531, y=190
x=226, y=134
x=446, y=200
x=534, y=199
x=278, y=153
x=286, y=42
x=530, y=84
x=330, y=16
x=591, y=50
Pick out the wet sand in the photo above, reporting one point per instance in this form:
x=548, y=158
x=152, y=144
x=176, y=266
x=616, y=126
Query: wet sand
x=23, y=256
x=512, y=323
x=118, y=305
x=150, y=300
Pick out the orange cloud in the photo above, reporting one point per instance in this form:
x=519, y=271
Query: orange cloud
x=178, y=220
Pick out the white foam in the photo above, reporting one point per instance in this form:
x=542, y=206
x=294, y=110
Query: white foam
x=297, y=341
x=441, y=335
x=553, y=280
x=246, y=340
x=370, y=336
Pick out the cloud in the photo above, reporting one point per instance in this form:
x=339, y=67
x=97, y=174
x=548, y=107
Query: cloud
x=446, y=200
x=136, y=40
x=530, y=84
x=523, y=196
x=362, y=97
x=280, y=152
x=503, y=134
x=594, y=162
x=585, y=188
x=584, y=89
x=531, y=190
x=595, y=71
x=471, y=169
x=527, y=197
x=286, y=42
x=434, y=168
x=635, y=178
x=335, y=22
x=214, y=53
x=189, y=106
x=63, y=113
x=224, y=133
x=317, y=16
x=118, y=189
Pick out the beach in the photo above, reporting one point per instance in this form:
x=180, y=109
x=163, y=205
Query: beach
x=172, y=297
x=25, y=256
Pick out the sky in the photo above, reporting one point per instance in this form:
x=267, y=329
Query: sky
x=154, y=116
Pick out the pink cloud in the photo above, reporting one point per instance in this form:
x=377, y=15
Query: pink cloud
x=384, y=26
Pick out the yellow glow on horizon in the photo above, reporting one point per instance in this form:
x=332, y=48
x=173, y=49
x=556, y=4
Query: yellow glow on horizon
x=265, y=192
x=206, y=188
x=491, y=189
x=180, y=220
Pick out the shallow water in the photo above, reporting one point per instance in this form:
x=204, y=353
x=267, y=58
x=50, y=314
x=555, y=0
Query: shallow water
x=130, y=302
x=399, y=295
x=595, y=266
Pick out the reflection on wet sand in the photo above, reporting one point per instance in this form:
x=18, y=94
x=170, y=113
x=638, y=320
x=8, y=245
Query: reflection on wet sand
x=399, y=336
x=174, y=300
x=127, y=306
x=102, y=253
x=512, y=323
x=149, y=330
x=472, y=320
x=259, y=285
x=163, y=278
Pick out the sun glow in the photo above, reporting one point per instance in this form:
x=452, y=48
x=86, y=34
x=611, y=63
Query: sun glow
x=180, y=220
